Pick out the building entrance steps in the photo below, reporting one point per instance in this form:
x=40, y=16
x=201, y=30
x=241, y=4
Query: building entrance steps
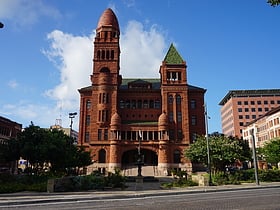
x=146, y=171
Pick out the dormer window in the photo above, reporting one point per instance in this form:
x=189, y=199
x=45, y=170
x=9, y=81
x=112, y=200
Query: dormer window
x=139, y=84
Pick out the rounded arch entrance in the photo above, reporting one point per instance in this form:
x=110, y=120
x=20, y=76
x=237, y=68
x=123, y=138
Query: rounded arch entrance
x=129, y=158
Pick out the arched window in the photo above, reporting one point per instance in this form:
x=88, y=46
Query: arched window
x=177, y=156
x=102, y=156
x=112, y=54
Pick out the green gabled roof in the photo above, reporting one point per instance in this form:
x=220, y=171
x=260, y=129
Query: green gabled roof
x=154, y=81
x=140, y=81
x=172, y=56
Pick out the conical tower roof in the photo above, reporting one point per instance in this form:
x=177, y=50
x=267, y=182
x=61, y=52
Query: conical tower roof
x=172, y=56
x=108, y=18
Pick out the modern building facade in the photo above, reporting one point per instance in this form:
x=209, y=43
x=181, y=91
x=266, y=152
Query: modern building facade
x=264, y=128
x=240, y=107
x=120, y=117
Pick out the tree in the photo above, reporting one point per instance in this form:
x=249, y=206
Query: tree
x=224, y=151
x=33, y=146
x=63, y=155
x=271, y=151
x=51, y=149
x=9, y=152
x=273, y=3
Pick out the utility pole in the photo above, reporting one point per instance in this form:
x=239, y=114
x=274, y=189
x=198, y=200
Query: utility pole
x=208, y=146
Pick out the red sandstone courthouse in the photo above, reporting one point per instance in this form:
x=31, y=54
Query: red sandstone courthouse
x=116, y=114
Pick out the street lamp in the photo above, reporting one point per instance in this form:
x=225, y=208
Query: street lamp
x=207, y=144
x=139, y=156
x=72, y=116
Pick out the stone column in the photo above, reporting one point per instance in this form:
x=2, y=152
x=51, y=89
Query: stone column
x=114, y=159
x=163, y=157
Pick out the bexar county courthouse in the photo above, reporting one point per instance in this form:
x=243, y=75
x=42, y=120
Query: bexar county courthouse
x=240, y=107
x=116, y=114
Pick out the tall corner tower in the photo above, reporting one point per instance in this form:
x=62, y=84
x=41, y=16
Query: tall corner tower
x=174, y=92
x=98, y=102
x=105, y=76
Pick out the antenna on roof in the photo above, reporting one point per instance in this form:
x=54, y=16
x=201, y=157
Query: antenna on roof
x=58, y=122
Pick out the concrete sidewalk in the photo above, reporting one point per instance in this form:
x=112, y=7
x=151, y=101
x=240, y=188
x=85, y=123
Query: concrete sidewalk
x=130, y=192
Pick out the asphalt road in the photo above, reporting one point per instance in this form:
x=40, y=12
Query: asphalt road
x=247, y=199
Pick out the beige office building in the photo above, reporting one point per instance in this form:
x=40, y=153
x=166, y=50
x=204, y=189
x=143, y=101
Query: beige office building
x=240, y=107
x=264, y=128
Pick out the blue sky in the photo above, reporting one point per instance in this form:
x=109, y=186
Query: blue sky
x=46, y=49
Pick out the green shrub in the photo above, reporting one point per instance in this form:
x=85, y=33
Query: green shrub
x=180, y=183
x=269, y=175
x=14, y=187
x=38, y=187
x=239, y=176
x=221, y=178
x=246, y=175
x=17, y=183
x=91, y=182
x=115, y=180
x=11, y=187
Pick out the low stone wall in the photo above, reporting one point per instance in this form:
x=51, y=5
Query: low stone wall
x=59, y=185
x=201, y=178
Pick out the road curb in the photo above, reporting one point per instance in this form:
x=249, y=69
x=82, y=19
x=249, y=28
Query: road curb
x=97, y=195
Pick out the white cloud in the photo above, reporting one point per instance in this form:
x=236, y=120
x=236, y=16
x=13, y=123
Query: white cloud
x=26, y=12
x=73, y=57
x=142, y=51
